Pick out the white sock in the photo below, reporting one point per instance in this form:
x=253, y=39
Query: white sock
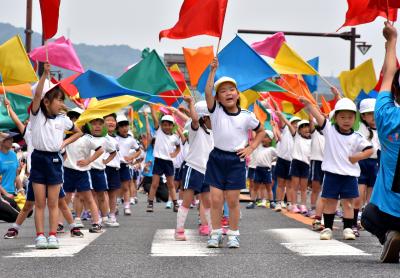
x=104, y=218
x=207, y=214
x=16, y=226
x=181, y=217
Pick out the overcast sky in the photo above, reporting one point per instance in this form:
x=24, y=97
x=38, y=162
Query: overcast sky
x=138, y=22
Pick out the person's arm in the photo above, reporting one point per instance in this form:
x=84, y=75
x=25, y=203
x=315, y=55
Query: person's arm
x=176, y=152
x=361, y=155
x=311, y=119
x=110, y=157
x=389, y=66
x=18, y=185
x=14, y=117
x=87, y=161
x=180, y=134
x=286, y=122
x=260, y=134
x=130, y=158
x=192, y=112
x=210, y=84
x=178, y=113
x=148, y=133
x=336, y=93
x=5, y=193
x=39, y=89
x=77, y=133
x=154, y=115
x=313, y=111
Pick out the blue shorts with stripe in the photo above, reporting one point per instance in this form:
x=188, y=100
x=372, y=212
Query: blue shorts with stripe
x=369, y=170
x=194, y=180
x=340, y=187
x=113, y=179
x=30, y=195
x=124, y=172
x=47, y=168
x=76, y=181
x=263, y=175
x=316, y=173
x=99, y=180
x=251, y=172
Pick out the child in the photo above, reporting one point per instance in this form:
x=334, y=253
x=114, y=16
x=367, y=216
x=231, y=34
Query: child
x=343, y=149
x=265, y=154
x=201, y=144
x=126, y=143
x=226, y=166
x=251, y=171
x=48, y=126
x=166, y=148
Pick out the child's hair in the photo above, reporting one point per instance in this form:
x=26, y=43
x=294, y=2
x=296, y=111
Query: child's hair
x=111, y=115
x=202, y=124
x=371, y=133
x=51, y=95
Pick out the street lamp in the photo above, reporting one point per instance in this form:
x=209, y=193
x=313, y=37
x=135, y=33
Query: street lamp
x=363, y=47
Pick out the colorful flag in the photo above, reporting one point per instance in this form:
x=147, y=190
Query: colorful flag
x=260, y=112
x=268, y=86
x=312, y=80
x=360, y=12
x=240, y=62
x=23, y=89
x=197, y=60
x=180, y=80
x=15, y=67
x=198, y=17
x=289, y=62
x=270, y=46
x=360, y=78
x=20, y=106
x=326, y=108
x=50, y=10
x=295, y=86
x=248, y=97
x=60, y=53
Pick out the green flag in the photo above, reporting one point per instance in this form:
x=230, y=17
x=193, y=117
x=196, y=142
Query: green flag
x=20, y=105
x=267, y=86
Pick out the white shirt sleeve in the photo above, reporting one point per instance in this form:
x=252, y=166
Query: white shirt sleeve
x=253, y=123
x=92, y=145
x=362, y=143
x=135, y=145
x=109, y=146
x=68, y=124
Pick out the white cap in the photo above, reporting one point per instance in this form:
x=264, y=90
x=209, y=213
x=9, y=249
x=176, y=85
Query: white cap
x=223, y=79
x=331, y=114
x=16, y=146
x=294, y=119
x=303, y=122
x=345, y=104
x=201, y=108
x=167, y=118
x=76, y=110
x=367, y=105
x=48, y=85
x=270, y=134
x=121, y=118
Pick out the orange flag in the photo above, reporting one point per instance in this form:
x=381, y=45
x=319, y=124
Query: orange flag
x=197, y=60
x=260, y=114
x=23, y=89
x=296, y=85
x=326, y=108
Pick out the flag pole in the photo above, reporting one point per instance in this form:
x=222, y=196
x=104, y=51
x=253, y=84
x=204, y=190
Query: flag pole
x=218, y=45
x=327, y=82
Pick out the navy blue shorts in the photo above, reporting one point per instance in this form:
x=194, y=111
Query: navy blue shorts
x=316, y=173
x=273, y=172
x=75, y=180
x=47, y=168
x=124, y=173
x=299, y=169
x=338, y=187
x=99, y=180
x=263, y=175
x=30, y=195
x=194, y=180
x=369, y=170
x=135, y=174
x=113, y=179
x=177, y=174
x=225, y=170
x=162, y=166
x=282, y=169
x=251, y=172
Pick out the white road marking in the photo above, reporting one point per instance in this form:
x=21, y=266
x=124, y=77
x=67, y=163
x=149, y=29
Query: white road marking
x=307, y=243
x=164, y=245
x=69, y=246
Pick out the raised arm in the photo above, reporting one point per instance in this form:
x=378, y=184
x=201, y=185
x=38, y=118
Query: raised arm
x=311, y=119
x=336, y=93
x=39, y=89
x=148, y=133
x=154, y=115
x=313, y=111
x=210, y=84
x=193, y=114
x=286, y=122
x=389, y=66
x=178, y=113
x=14, y=117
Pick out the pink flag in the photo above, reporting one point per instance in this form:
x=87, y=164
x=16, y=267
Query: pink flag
x=270, y=46
x=165, y=111
x=61, y=53
x=179, y=121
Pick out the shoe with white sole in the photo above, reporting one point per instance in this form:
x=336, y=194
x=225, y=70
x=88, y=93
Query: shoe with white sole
x=348, y=234
x=326, y=234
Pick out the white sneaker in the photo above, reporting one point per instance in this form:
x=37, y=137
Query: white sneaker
x=168, y=205
x=348, y=234
x=52, y=242
x=326, y=234
x=132, y=201
x=278, y=207
x=79, y=224
x=127, y=211
x=111, y=223
x=41, y=242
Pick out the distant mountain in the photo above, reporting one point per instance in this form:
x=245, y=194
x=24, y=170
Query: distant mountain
x=107, y=59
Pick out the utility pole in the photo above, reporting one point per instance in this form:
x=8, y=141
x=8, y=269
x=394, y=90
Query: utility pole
x=349, y=36
x=28, y=29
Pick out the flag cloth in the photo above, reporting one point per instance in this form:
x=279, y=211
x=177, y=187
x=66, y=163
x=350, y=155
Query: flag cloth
x=270, y=46
x=15, y=67
x=382, y=5
x=295, y=86
x=240, y=62
x=197, y=61
x=360, y=78
x=93, y=84
x=326, y=108
x=198, y=17
x=50, y=10
x=20, y=105
x=101, y=108
x=23, y=89
x=268, y=86
x=289, y=62
x=260, y=112
x=360, y=12
x=281, y=97
x=248, y=97
x=312, y=80
x=61, y=53
x=180, y=80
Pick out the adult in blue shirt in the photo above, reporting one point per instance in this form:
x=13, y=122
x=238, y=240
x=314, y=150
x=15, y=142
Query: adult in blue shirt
x=381, y=216
x=8, y=166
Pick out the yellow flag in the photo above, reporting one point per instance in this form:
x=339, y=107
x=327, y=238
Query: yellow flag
x=247, y=98
x=288, y=108
x=361, y=78
x=137, y=118
x=15, y=67
x=101, y=108
x=289, y=62
x=180, y=81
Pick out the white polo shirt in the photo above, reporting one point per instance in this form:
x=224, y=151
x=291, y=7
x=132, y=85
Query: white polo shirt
x=301, y=148
x=284, y=148
x=339, y=147
x=230, y=130
x=48, y=133
x=79, y=150
x=125, y=145
x=265, y=156
x=165, y=144
x=201, y=144
x=252, y=162
x=116, y=161
x=374, y=140
x=108, y=148
x=317, y=146
x=180, y=158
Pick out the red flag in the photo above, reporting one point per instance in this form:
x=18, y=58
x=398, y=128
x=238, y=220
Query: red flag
x=360, y=12
x=281, y=96
x=384, y=4
x=198, y=17
x=326, y=108
x=49, y=9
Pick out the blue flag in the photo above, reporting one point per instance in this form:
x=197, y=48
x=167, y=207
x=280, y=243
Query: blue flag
x=312, y=80
x=1, y=78
x=93, y=84
x=240, y=62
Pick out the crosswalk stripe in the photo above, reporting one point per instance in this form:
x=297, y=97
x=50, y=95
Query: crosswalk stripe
x=164, y=245
x=307, y=243
x=68, y=247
